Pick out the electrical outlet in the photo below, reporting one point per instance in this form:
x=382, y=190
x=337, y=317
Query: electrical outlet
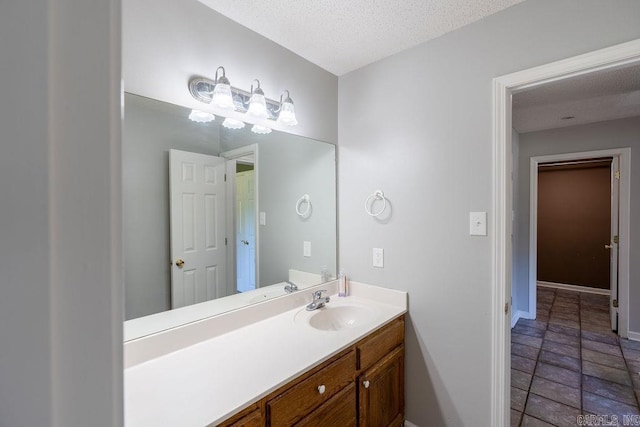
x=378, y=257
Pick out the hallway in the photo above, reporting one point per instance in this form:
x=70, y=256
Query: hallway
x=568, y=363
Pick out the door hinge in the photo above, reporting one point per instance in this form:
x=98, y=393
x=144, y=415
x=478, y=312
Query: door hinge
x=616, y=239
x=506, y=308
x=617, y=175
x=614, y=303
x=225, y=241
x=225, y=177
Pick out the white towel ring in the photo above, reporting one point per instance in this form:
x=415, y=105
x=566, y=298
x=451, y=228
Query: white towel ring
x=299, y=203
x=377, y=195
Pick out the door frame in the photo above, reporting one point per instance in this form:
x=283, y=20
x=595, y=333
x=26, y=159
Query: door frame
x=243, y=153
x=624, y=206
x=503, y=88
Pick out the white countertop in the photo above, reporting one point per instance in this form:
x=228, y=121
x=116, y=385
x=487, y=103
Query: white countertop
x=214, y=379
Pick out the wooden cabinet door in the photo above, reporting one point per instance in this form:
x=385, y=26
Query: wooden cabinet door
x=381, y=392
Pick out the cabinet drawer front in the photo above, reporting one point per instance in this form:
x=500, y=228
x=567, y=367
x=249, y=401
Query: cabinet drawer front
x=381, y=343
x=299, y=400
x=340, y=410
x=249, y=417
x=254, y=419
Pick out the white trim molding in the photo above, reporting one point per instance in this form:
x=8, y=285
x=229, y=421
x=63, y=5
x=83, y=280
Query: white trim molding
x=574, y=288
x=519, y=314
x=634, y=336
x=503, y=87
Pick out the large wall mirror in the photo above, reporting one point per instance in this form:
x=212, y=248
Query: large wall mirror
x=217, y=218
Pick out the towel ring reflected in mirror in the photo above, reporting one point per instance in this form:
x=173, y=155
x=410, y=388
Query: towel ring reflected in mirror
x=302, y=200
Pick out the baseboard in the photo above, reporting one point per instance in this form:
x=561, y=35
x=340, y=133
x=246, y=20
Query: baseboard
x=517, y=315
x=409, y=424
x=634, y=336
x=574, y=288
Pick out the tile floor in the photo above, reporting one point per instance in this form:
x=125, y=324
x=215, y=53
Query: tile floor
x=568, y=363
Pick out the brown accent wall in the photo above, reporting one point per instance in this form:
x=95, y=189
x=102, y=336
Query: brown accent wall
x=574, y=224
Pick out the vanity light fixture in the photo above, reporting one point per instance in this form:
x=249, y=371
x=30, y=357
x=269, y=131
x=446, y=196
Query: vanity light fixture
x=221, y=96
x=260, y=130
x=201, y=116
x=287, y=114
x=257, y=104
x=230, y=123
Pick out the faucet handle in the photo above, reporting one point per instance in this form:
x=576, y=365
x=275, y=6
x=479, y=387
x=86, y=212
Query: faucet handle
x=318, y=294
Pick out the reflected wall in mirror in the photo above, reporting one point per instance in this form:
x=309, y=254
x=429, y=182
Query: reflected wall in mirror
x=169, y=224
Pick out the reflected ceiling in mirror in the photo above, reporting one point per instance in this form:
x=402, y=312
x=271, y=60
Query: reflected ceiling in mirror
x=267, y=241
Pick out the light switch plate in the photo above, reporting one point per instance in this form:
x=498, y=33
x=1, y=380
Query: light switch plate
x=306, y=248
x=263, y=218
x=478, y=223
x=378, y=257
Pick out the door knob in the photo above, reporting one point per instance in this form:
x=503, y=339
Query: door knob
x=366, y=383
x=608, y=246
x=179, y=262
x=244, y=242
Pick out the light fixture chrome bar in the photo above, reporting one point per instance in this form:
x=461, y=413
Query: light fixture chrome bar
x=201, y=88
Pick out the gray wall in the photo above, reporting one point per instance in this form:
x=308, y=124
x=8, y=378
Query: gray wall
x=150, y=130
x=418, y=125
x=166, y=42
x=288, y=168
x=60, y=281
x=597, y=136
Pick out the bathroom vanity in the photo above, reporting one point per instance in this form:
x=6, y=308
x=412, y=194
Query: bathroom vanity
x=363, y=385
x=339, y=365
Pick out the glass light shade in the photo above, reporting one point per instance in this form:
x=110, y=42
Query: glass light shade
x=232, y=123
x=261, y=130
x=287, y=114
x=257, y=106
x=201, y=116
x=222, y=96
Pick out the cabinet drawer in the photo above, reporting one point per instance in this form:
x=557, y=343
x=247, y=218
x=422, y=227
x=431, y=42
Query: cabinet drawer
x=302, y=398
x=340, y=410
x=250, y=417
x=372, y=349
x=254, y=419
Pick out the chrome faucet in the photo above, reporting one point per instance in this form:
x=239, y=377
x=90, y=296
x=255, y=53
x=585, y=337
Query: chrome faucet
x=318, y=301
x=290, y=287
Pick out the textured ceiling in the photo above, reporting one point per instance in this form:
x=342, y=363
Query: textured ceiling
x=594, y=97
x=343, y=35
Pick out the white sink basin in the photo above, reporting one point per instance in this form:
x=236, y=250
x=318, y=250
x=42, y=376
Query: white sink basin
x=336, y=316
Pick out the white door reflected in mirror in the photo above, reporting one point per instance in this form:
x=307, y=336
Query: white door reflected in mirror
x=197, y=192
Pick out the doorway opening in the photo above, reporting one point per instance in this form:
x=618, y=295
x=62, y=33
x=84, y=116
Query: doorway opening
x=574, y=226
x=245, y=231
x=242, y=217
x=614, y=57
